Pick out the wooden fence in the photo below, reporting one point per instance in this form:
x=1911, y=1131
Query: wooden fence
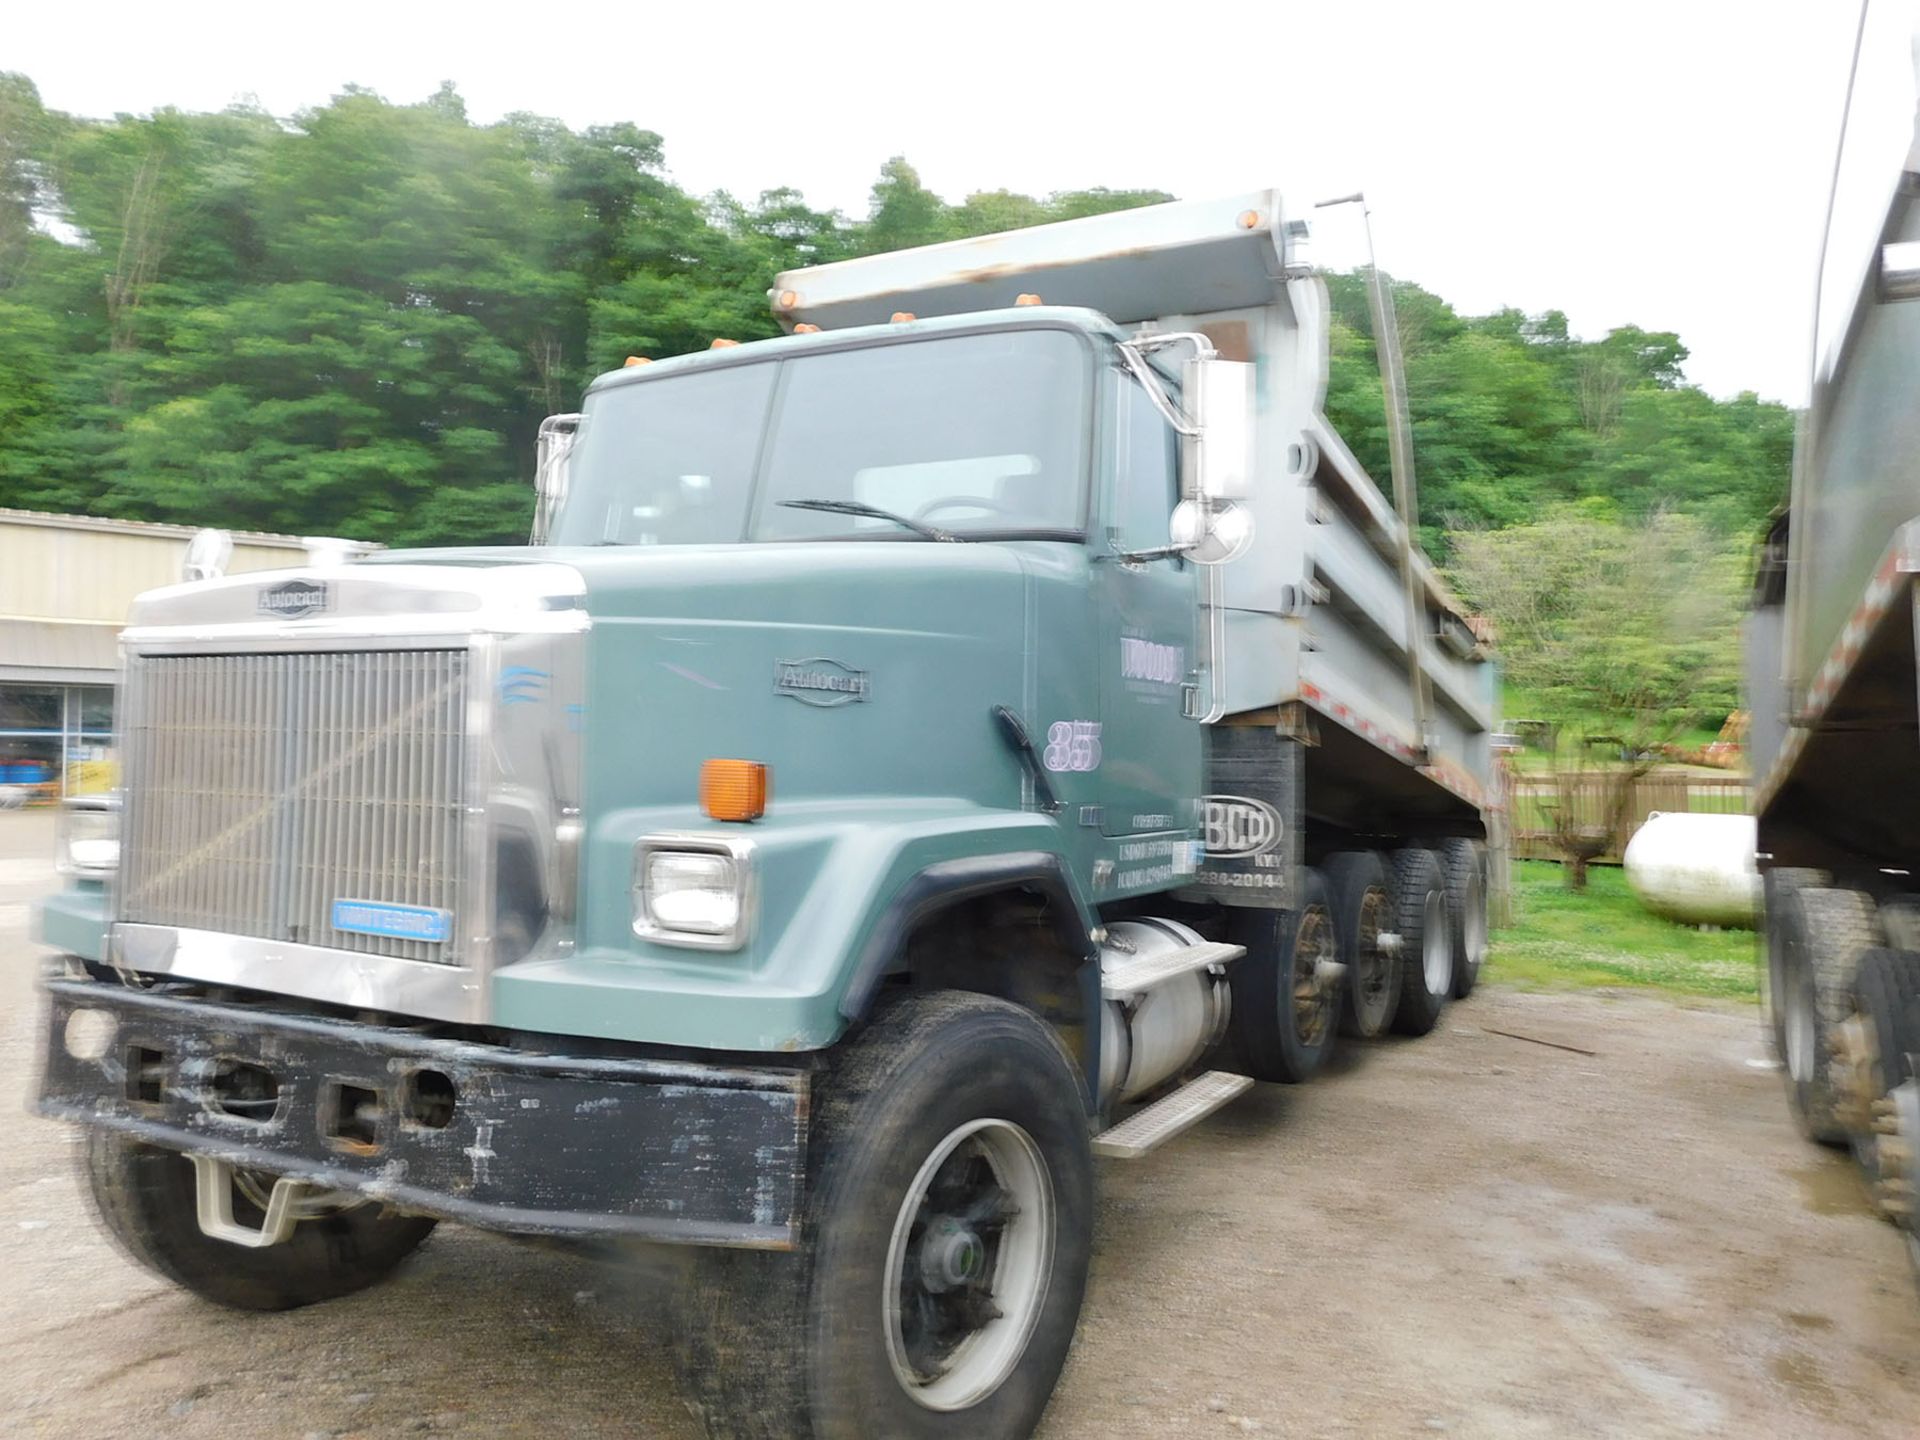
x=1668, y=788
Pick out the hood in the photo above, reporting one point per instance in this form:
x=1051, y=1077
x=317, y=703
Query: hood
x=851, y=669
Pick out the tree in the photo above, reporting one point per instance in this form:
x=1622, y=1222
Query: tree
x=1622, y=633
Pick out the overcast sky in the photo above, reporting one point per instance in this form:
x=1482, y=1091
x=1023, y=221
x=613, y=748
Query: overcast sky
x=1654, y=162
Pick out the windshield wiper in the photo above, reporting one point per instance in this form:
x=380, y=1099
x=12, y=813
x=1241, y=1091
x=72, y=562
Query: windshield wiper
x=872, y=512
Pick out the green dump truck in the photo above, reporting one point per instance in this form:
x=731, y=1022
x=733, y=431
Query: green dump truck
x=986, y=727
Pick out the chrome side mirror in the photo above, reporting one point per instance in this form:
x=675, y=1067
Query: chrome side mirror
x=1210, y=526
x=551, y=448
x=1216, y=455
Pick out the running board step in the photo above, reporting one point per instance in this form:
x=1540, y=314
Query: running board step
x=1137, y=974
x=1164, y=1119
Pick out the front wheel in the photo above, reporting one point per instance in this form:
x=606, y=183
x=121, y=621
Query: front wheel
x=146, y=1199
x=948, y=1233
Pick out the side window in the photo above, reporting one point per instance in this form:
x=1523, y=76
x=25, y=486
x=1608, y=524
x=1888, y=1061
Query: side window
x=1146, y=485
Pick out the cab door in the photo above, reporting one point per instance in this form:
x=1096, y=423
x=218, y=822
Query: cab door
x=1151, y=748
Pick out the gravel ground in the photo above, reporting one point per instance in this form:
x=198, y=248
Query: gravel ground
x=1468, y=1234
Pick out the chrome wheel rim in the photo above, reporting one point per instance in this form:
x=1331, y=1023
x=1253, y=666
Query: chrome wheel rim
x=1436, y=956
x=968, y=1265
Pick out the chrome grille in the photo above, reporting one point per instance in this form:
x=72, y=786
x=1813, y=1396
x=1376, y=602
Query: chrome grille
x=260, y=789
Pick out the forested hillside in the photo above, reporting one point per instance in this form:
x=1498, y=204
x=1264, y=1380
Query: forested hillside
x=351, y=322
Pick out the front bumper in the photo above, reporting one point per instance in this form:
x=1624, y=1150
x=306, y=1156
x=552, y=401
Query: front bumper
x=533, y=1143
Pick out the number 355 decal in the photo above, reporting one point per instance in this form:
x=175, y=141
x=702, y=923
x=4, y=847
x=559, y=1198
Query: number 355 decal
x=1072, y=745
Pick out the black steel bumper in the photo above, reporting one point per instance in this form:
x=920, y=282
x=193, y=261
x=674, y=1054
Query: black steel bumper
x=531, y=1143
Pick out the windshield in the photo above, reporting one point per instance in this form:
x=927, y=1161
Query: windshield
x=975, y=436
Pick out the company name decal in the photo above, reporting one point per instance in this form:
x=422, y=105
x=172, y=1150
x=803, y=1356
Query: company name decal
x=1145, y=660
x=1238, y=826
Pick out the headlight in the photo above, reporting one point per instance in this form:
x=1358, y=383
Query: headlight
x=89, y=837
x=692, y=890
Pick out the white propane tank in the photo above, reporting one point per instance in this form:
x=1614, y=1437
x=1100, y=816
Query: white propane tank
x=1170, y=1027
x=1697, y=869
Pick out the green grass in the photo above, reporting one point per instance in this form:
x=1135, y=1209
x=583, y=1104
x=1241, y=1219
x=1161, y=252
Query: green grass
x=1601, y=937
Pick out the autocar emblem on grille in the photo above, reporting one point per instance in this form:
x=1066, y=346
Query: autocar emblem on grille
x=820, y=681
x=291, y=599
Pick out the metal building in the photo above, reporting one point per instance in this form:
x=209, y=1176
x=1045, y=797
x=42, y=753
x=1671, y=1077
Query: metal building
x=65, y=584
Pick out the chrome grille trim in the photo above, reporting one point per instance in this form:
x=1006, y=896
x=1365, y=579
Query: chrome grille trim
x=262, y=787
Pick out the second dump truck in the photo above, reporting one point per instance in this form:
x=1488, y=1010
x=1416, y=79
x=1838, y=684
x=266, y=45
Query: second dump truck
x=1833, y=682
x=989, y=725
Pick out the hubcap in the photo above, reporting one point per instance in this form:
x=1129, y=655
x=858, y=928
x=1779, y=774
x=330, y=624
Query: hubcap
x=968, y=1265
x=1436, y=956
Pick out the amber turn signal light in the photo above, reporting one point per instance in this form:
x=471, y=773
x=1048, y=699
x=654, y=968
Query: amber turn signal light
x=733, y=789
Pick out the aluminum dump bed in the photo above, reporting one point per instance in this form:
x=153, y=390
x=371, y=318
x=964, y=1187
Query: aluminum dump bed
x=1315, y=614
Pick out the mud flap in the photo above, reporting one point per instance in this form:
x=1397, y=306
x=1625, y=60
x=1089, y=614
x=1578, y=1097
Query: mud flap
x=1251, y=826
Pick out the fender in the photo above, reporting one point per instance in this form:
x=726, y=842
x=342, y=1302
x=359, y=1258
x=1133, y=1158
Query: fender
x=951, y=881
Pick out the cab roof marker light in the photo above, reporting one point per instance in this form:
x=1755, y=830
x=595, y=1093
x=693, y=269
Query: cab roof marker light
x=803, y=328
x=723, y=344
x=1027, y=298
x=788, y=299
x=633, y=360
x=902, y=317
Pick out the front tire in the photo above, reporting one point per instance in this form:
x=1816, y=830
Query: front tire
x=145, y=1197
x=946, y=1242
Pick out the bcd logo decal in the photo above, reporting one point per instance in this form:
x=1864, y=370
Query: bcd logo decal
x=1238, y=826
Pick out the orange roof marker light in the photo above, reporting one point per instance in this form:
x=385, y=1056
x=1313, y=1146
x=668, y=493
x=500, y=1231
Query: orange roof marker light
x=633, y=360
x=723, y=344
x=1028, y=298
x=1249, y=219
x=788, y=299
x=803, y=328
x=901, y=317
x=733, y=789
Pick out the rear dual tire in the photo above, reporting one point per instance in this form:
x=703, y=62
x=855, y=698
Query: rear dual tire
x=1422, y=919
x=1816, y=939
x=1463, y=868
x=1362, y=899
x=1286, y=1010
